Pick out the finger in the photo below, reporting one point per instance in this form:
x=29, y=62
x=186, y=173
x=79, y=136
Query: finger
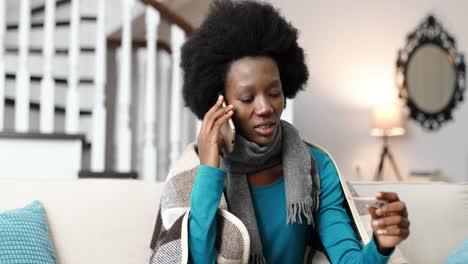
x=387, y=196
x=215, y=118
x=396, y=207
x=372, y=212
x=222, y=120
x=389, y=221
x=393, y=231
x=213, y=109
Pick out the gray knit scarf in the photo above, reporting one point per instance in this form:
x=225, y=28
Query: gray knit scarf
x=300, y=175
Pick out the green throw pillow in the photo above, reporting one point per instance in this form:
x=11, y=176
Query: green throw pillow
x=24, y=236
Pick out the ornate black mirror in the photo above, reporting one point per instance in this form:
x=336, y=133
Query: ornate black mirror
x=430, y=74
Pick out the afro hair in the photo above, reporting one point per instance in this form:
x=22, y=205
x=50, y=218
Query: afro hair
x=233, y=30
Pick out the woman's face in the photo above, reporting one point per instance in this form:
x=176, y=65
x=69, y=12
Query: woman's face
x=253, y=87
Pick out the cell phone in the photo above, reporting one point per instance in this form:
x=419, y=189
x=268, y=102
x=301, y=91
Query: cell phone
x=228, y=131
x=370, y=201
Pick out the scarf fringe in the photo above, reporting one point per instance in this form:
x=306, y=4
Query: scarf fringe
x=257, y=259
x=296, y=210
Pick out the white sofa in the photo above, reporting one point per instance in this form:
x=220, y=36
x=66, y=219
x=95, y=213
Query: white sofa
x=111, y=221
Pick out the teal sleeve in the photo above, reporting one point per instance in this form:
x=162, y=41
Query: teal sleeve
x=206, y=195
x=334, y=224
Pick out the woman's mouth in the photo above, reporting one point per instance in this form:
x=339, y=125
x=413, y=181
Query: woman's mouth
x=266, y=129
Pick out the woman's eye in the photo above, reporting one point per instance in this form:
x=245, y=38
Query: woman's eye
x=246, y=100
x=275, y=94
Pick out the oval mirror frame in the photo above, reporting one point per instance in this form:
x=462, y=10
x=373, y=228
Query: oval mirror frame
x=430, y=31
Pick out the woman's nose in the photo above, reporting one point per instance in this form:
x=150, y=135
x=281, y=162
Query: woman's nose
x=263, y=107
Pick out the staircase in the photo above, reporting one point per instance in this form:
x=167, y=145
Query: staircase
x=83, y=91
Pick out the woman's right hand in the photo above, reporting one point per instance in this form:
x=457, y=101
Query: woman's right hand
x=210, y=140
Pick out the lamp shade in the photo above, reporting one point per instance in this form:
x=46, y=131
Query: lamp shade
x=388, y=120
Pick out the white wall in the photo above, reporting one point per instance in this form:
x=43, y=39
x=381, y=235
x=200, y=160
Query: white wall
x=351, y=49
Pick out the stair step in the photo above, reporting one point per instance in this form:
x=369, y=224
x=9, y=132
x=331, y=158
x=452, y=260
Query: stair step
x=37, y=106
x=40, y=156
x=42, y=136
x=58, y=23
x=88, y=18
x=85, y=120
x=46, y=136
x=87, y=36
x=62, y=11
x=60, y=62
x=41, y=8
x=61, y=51
x=35, y=3
x=85, y=174
x=37, y=78
x=85, y=90
x=37, y=7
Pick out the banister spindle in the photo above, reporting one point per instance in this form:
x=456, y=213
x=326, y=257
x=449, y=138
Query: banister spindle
x=99, y=111
x=47, y=83
x=73, y=104
x=2, y=64
x=164, y=81
x=123, y=132
x=149, y=149
x=177, y=39
x=188, y=126
x=22, y=77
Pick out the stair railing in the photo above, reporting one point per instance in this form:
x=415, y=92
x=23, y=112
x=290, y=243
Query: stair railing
x=164, y=134
x=47, y=112
x=177, y=112
x=123, y=136
x=182, y=125
x=170, y=141
x=22, y=77
x=98, y=138
x=72, y=114
x=150, y=153
x=2, y=64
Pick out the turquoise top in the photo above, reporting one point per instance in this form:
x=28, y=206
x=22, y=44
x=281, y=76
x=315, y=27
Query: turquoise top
x=282, y=243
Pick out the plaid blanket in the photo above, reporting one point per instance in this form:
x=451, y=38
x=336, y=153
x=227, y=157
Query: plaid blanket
x=170, y=236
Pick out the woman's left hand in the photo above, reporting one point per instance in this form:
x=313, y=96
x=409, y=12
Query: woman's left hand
x=390, y=222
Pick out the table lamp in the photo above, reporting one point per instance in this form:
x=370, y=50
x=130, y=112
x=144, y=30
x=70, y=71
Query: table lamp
x=387, y=121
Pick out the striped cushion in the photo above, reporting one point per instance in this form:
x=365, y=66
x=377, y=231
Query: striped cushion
x=24, y=236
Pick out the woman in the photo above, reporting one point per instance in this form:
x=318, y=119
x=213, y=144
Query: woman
x=284, y=192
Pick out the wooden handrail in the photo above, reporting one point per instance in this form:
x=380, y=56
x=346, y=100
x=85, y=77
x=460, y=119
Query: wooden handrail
x=170, y=15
